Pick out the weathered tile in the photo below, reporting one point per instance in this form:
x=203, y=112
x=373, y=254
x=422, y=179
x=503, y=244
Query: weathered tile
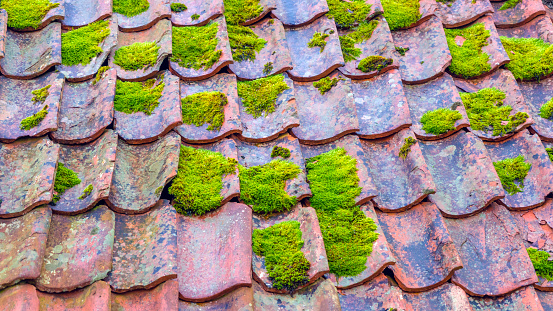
x=81, y=72
x=325, y=117
x=240, y=299
x=207, y=10
x=427, y=11
x=157, y=12
x=445, y=297
x=310, y=64
x=461, y=12
x=535, y=95
x=27, y=171
x=274, y=53
x=299, y=13
x=54, y=14
x=86, y=109
x=353, y=148
x=428, y=55
x=268, y=6
x=521, y=13
x=540, y=27
x=19, y=298
x=214, y=252
x=494, y=257
x=320, y=296
x=546, y=299
x=78, y=250
x=93, y=163
x=164, y=297
x=159, y=33
x=524, y=299
x=377, y=294
x=94, y=297
x=17, y=104
x=83, y=12
x=141, y=172
x=23, y=241
x=30, y=54
x=425, y=254
x=401, y=183
x=465, y=178
x=3, y=31
x=381, y=105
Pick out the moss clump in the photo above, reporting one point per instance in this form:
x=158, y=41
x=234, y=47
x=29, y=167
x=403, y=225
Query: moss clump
x=361, y=33
x=348, y=14
x=318, y=39
x=281, y=245
x=240, y=11
x=244, y=43
x=81, y=45
x=325, y=84
x=486, y=112
x=511, y=170
x=100, y=74
x=199, y=180
x=541, y=262
x=86, y=192
x=531, y=58
x=178, y=7
x=347, y=233
x=401, y=50
x=268, y=68
x=34, y=120
x=374, y=63
x=401, y=13
x=195, y=17
x=132, y=97
x=204, y=107
x=406, y=147
x=509, y=4
x=280, y=152
x=468, y=60
x=550, y=153
x=130, y=8
x=440, y=121
x=26, y=13
x=138, y=55
x=546, y=110
x=65, y=179
x=259, y=96
x=196, y=47
x=41, y=94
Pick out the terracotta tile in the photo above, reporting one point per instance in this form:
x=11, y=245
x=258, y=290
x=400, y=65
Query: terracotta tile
x=275, y=52
x=425, y=254
x=377, y=294
x=462, y=12
x=522, y=13
x=17, y=104
x=325, y=117
x=78, y=250
x=23, y=243
x=353, y=148
x=164, y=297
x=207, y=10
x=159, y=33
x=158, y=10
x=535, y=95
x=55, y=14
x=30, y=54
x=85, y=110
x=381, y=105
x=524, y=299
x=312, y=64
x=3, y=31
x=504, y=81
x=428, y=55
x=240, y=299
x=445, y=297
x=94, y=297
x=93, y=163
x=27, y=171
x=299, y=13
x=140, y=170
x=81, y=72
x=540, y=27
x=268, y=7
x=465, y=178
x=214, y=252
x=494, y=257
x=401, y=183
x=427, y=11
x=83, y=12
x=376, y=8
x=223, y=44
x=313, y=247
x=320, y=296
x=19, y=298
x=250, y=155
x=546, y=299
x=380, y=44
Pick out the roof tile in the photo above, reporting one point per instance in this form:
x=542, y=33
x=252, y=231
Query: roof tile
x=268, y=6
x=427, y=10
x=521, y=13
x=157, y=11
x=536, y=94
x=207, y=10
x=299, y=13
x=321, y=295
x=524, y=299
x=445, y=297
x=3, y=31
x=546, y=300
x=164, y=297
x=83, y=12
x=240, y=299
x=540, y=27
x=459, y=13
x=94, y=297
x=19, y=298
x=377, y=294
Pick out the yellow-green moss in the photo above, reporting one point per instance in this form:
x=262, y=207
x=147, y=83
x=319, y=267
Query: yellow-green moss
x=509, y=4
x=401, y=50
x=100, y=74
x=549, y=153
x=348, y=14
x=81, y=45
x=542, y=265
x=268, y=68
x=360, y=34
x=440, y=121
x=240, y=11
x=178, y=7
x=531, y=58
x=325, y=84
x=259, y=96
x=546, y=110
x=65, y=179
x=374, y=63
x=130, y=8
x=197, y=187
x=138, y=55
x=132, y=97
x=34, y=120
x=281, y=245
x=511, y=170
x=196, y=47
x=41, y=94
x=244, y=43
x=401, y=13
x=280, y=152
x=204, y=108
x=86, y=192
x=318, y=39
x=468, y=60
x=406, y=147
x=26, y=13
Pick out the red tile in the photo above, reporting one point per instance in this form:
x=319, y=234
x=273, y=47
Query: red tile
x=19, y=298
x=268, y=6
x=524, y=299
x=462, y=12
x=164, y=297
x=157, y=11
x=523, y=12
x=240, y=299
x=377, y=294
x=207, y=10
x=299, y=13
x=540, y=27
x=445, y=297
x=535, y=95
x=83, y=12
x=427, y=10
x=320, y=296
x=95, y=297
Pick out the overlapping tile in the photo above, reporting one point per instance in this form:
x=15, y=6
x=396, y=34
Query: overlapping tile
x=445, y=297
x=521, y=13
x=377, y=294
x=141, y=172
x=536, y=94
x=268, y=6
x=19, y=298
x=427, y=10
x=27, y=171
x=524, y=299
x=321, y=295
x=461, y=12
x=157, y=11
x=546, y=299
x=78, y=251
x=299, y=13
x=425, y=254
x=239, y=299
x=54, y=14
x=164, y=297
x=83, y=12
x=207, y=11
x=214, y=252
x=540, y=27
x=94, y=297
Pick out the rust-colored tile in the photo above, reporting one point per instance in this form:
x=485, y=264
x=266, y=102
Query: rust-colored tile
x=535, y=95
x=494, y=257
x=27, y=171
x=83, y=12
x=95, y=297
x=78, y=250
x=462, y=12
x=524, y=299
x=16, y=104
x=158, y=11
x=523, y=12
x=320, y=296
x=445, y=297
x=546, y=299
x=240, y=299
x=3, y=31
x=377, y=294
x=55, y=14
x=540, y=27
x=425, y=254
x=19, y=298
x=299, y=13
x=140, y=171
x=207, y=10
x=214, y=252
x=164, y=297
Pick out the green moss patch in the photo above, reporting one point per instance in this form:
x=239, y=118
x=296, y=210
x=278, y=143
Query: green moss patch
x=268, y=68
x=196, y=47
x=401, y=50
x=178, y=7
x=531, y=58
x=406, y=147
x=195, y=17
x=325, y=84
x=361, y=33
x=512, y=170
x=138, y=55
x=197, y=187
x=244, y=43
x=401, y=13
x=509, y=4
x=541, y=262
x=348, y=14
x=374, y=63
x=86, y=192
x=65, y=179
x=468, y=60
x=549, y=153
x=318, y=39
x=132, y=97
x=204, y=108
x=34, y=120
x=486, y=112
x=81, y=45
x=259, y=96
x=41, y=94
x=281, y=245
x=26, y=13
x=100, y=74
x=130, y=8
x=280, y=152
x=546, y=110
x=440, y=121
x=240, y=11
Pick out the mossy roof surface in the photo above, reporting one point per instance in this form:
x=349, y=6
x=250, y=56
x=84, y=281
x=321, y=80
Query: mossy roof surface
x=244, y=43
x=130, y=8
x=401, y=13
x=24, y=14
x=138, y=55
x=133, y=97
x=512, y=172
x=374, y=63
x=41, y=94
x=34, y=120
x=440, y=121
x=65, y=179
x=80, y=45
x=196, y=47
x=204, y=108
x=360, y=34
x=259, y=96
x=348, y=14
x=240, y=11
x=325, y=84
x=467, y=58
x=531, y=58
